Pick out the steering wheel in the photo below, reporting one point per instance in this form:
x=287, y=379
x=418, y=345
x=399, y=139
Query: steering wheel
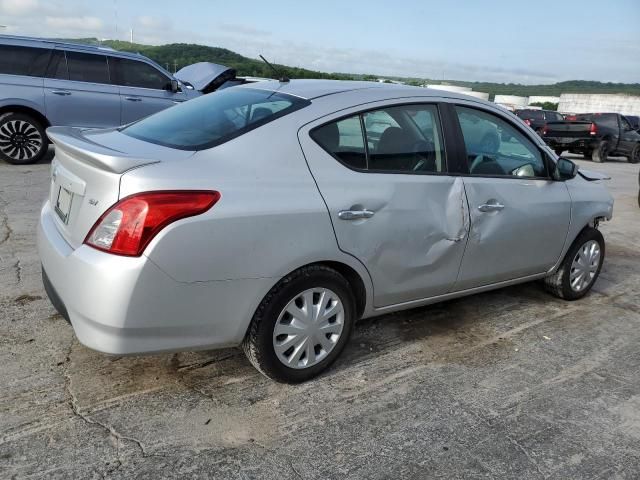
x=422, y=150
x=476, y=162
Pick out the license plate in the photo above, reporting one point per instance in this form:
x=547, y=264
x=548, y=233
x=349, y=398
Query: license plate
x=63, y=204
x=566, y=140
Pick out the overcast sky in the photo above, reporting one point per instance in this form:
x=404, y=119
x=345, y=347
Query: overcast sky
x=494, y=40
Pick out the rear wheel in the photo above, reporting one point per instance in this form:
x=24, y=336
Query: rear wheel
x=634, y=156
x=302, y=325
x=22, y=138
x=580, y=267
x=600, y=153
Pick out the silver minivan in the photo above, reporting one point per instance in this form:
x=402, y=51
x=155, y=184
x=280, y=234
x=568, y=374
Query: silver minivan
x=47, y=83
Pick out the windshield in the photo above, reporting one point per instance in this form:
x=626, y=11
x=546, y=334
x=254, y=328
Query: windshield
x=213, y=119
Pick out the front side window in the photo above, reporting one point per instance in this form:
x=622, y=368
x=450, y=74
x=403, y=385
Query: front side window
x=132, y=73
x=401, y=139
x=214, y=118
x=15, y=60
x=85, y=67
x=489, y=155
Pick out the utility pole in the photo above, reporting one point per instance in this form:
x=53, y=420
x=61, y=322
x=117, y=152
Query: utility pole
x=175, y=66
x=131, y=32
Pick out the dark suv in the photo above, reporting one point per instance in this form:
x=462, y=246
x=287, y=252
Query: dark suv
x=537, y=119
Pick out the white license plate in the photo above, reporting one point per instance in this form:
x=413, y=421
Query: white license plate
x=63, y=204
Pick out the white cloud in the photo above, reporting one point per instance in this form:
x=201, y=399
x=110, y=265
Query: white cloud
x=18, y=7
x=149, y=22
x=84, y=24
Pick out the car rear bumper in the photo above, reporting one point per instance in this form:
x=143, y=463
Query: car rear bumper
x=128, y=305
x=579, y=144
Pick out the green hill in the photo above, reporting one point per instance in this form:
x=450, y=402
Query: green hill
x=177, y=55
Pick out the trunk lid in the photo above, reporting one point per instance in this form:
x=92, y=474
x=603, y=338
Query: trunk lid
x=86, y=173
x=568, y=129
x=205, y=76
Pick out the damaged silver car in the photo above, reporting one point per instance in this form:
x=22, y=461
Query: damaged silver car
x=275, y=215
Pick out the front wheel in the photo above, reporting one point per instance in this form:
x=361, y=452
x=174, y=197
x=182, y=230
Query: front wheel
x=580, y=268
x=634, y=157
x=302, y=325
x=22, y=139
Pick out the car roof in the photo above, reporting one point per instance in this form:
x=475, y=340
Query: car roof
x=52, y=43
x=313, y=89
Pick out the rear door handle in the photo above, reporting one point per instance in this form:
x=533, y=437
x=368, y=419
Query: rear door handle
x=355, y=214
x=133, y=99
x=60, y=92
x=491, y=207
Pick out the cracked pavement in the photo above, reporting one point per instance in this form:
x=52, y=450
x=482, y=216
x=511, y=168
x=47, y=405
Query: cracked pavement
x=508, y=384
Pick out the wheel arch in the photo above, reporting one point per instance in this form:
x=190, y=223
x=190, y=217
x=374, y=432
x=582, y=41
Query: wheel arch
x=27, y=110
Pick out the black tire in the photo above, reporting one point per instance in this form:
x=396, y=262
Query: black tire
x=258, y=341
x=24, y=146
x=558, y=283
x=634, y=156
x=601, y=152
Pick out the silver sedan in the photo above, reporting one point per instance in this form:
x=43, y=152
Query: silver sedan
x=273, y=216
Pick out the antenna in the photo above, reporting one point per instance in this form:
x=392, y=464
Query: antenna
x=281, y=76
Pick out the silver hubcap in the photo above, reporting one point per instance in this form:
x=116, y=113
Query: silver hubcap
x=308, y=328
x=585, y=265
x=20, y=140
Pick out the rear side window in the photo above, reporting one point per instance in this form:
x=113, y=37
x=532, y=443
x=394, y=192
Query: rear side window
x=531, y=115
x=401, y=139
x=132, y=73
x=85, y=67
x=15, y=60
x=58, y=66
x=214, y=118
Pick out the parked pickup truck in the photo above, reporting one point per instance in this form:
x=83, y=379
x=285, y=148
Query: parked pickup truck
x=595, y=135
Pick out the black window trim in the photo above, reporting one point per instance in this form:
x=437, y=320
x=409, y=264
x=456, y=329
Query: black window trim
x=463, y=165
x=360, y=113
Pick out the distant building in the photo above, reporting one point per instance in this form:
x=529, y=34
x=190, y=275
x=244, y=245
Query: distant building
x=593, y=103
x=511, y=102
x=543, y=99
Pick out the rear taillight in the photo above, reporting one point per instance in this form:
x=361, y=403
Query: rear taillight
x=545, y=129
x=129, y=225
x=528, y=122
x=593, y=129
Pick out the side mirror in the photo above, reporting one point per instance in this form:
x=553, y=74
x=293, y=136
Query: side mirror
x=174, y=86
x=566, y=169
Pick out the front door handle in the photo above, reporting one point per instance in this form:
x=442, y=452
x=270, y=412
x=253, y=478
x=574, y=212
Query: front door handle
x=60, y=92
x=355, y=214
x=490, y=207
x=133, y=99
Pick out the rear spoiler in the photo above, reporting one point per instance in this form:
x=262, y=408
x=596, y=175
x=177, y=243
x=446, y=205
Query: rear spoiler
x=72, y=141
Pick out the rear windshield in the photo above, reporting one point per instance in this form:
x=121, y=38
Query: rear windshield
x=530, y=114
x=214, y=118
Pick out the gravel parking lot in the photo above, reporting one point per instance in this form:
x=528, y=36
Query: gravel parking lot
x=507, y=384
